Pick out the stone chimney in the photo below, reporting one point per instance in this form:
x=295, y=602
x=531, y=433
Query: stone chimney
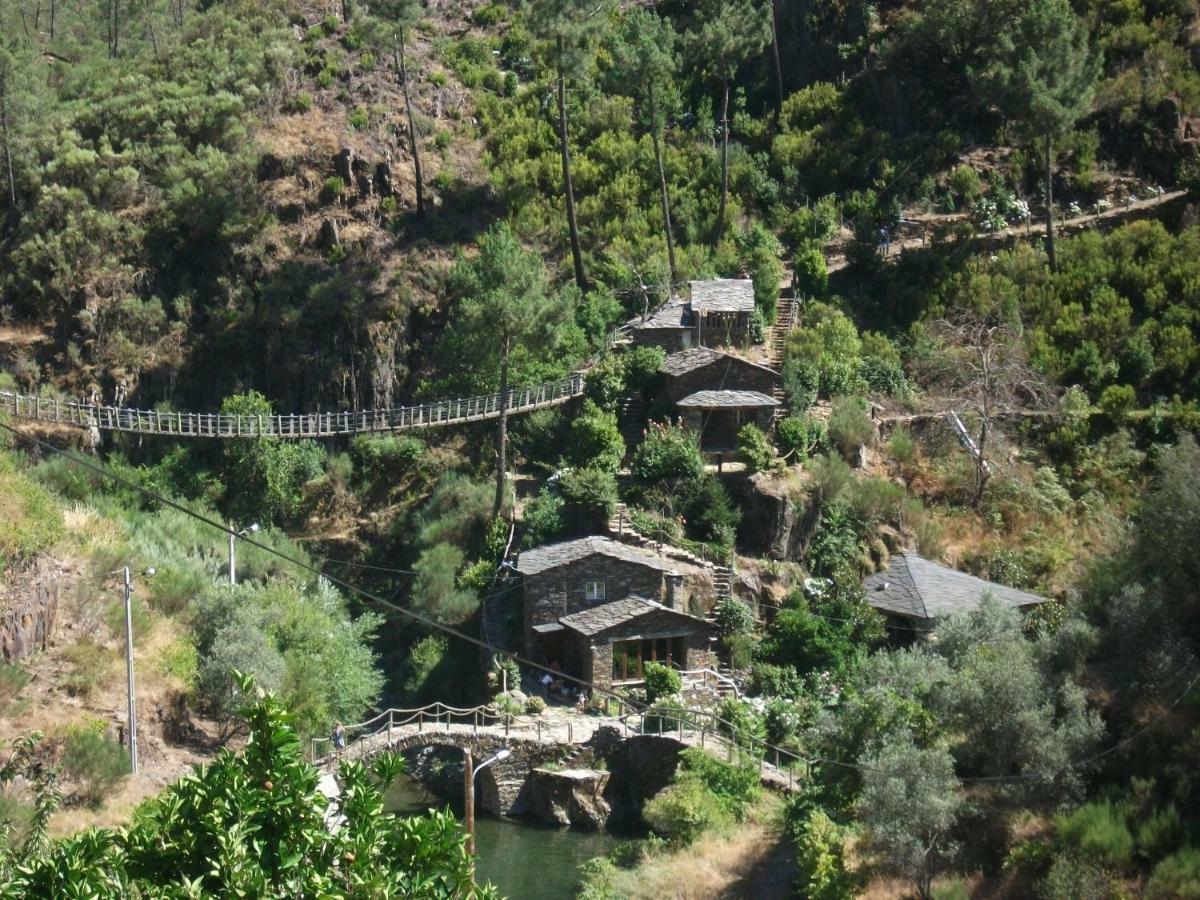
x=674, y=590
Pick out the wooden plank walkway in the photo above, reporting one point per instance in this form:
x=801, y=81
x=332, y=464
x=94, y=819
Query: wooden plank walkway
x=439, y=414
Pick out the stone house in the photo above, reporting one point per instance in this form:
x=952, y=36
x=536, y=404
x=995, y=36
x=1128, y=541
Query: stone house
x=717, y=393
x=717, y=313
x=602, y=609
x=913, y=593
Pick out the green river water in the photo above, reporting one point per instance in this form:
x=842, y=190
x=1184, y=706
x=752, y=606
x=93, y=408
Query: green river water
x=525, y=861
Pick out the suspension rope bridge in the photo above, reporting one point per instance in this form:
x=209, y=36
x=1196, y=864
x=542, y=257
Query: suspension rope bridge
x=440, y=413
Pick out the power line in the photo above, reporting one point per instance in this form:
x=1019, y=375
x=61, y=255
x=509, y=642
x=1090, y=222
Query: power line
x=454, y=632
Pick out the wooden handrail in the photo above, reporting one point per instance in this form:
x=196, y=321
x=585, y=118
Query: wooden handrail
x=307, y=425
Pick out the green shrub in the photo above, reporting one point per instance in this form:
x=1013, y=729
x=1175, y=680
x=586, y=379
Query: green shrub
x=535, y=706
x=93, y=761
x=736, y=785
x=596, y=877
x=741, y=649
x=359, y=119
x=332, y=189
x=739, y=720
x=820, y=865
x=367, y=61
x=755, y=448
x=955, y=889
x=734, y=617
x=783, y=718
x=181, y=660
x=1099, y=832
x=12, y=681
x=589, y=497
x=682, y=812
x=661, y=681
x=1177, y=877
x=772, y=680
x=966, y=185
x=595, y=439
x=849, y=425
x=543, y=518
x=300, y=102
x=490, y=14
x=1159, y=833
x=507, y=672
x=32, y=518
x=669, y=452
x=89, y=664
x=1074, y=876
x=801, y=437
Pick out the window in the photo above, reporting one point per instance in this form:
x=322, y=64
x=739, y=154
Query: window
x=593, y=590
x=630, y=657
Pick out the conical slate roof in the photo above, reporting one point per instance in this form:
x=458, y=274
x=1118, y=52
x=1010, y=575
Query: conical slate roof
x=913, y=586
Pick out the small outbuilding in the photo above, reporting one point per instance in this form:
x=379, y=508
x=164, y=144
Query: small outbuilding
x=703, y=368
x=718, y=312
x=718, y=416
x=914, y=593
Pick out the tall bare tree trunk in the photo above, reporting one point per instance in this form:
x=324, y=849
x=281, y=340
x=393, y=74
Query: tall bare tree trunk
x=778, y=69
x=720, y=230
x=412, y=125
x=6, y=134
x=568, y=185
x=1050, y=204
x=666, y=200
x=502, y=437
x=53, y=16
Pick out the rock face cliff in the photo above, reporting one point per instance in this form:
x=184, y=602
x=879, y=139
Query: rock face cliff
x=28, y=609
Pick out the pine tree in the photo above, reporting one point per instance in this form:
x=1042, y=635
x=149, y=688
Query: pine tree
x=568, y=28
x=397, y=17
x=18, y=88
x=645, y=62
x=726, y=34
x=1043, y=78
x=506, y=301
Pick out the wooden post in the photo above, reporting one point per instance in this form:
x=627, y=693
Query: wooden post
x=389, y=727
x=539, y=731
x=469, y=806
x=570, y=734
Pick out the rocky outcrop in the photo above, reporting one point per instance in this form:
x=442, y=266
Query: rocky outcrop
x=572, y=797
x=640, y=767
x=28, y=610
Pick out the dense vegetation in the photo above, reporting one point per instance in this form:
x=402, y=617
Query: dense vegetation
x=281, y=206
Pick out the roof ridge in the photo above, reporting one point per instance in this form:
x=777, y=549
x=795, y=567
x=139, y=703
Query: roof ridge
x=918, y=586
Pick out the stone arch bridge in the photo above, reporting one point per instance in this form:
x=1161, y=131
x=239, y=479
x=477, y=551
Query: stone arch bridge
x=646, y=746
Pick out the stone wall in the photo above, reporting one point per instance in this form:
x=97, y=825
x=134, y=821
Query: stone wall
x=729, y=373
x=28, y=610
x=559, y=592
x=670, y=339
x=656, y=625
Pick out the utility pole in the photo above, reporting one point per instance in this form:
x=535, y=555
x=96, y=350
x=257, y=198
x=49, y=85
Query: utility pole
x=133, y=755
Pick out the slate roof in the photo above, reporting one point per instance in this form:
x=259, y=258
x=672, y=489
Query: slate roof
x=698, y=357
x=723, y=295
x=913, y=586
x=589, y=622
x=674, y=314
x=552, y=556
x=726, y=400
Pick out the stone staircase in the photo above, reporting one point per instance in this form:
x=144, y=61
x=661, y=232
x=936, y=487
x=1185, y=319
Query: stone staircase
x=620, y=527
x=785, y=321
x=631, y=420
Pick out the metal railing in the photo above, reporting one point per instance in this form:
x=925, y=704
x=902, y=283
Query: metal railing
x=440, y=413
x=706, y=675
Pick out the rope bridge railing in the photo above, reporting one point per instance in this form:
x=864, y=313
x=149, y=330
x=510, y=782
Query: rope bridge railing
x=302, y=425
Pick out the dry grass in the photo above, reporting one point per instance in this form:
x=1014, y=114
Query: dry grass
x=743, y=861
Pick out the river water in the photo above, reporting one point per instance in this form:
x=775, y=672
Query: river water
x=525, y=861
